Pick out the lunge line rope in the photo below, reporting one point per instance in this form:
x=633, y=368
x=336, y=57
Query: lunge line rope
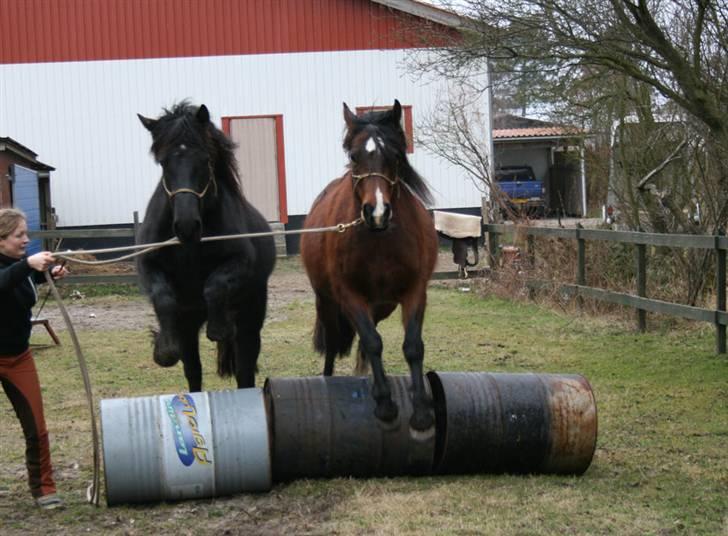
x=93, y=492
x=146, y=248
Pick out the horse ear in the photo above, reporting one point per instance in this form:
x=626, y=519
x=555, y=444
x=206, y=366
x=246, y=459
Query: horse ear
x=348, y=116
x=203, y=114
x=148, y=123
x=396, y=112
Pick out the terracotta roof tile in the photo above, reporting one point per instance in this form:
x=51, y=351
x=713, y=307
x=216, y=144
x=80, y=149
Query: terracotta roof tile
x=536, y=132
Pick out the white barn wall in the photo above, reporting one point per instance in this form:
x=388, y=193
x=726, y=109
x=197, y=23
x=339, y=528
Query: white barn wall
x=80, y=117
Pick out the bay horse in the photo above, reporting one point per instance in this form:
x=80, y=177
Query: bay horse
x=224, y=283
x=360, y=276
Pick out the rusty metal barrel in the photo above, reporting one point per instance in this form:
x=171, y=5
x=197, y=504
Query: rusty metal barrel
x=325, y=427
x=513, y=423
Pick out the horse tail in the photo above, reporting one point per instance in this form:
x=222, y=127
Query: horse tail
x=226, y=358
x=319, y=336
x=342, y=339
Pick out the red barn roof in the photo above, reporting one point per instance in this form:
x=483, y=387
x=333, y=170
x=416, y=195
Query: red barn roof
x=37, y=31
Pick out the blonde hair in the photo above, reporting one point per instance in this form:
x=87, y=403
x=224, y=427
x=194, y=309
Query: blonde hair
x=10, y=218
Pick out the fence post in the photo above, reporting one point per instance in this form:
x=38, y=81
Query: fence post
x=531, y=251
x=580, y=266
x=136, y=241
x=531, y=262
x=641, y=255
x=720, y=282
x=136, y=227
x=493, y=248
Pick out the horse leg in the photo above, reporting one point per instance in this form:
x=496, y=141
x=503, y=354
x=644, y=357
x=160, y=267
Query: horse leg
x=250, y=320
x=371, y=345
x=246, y=356
x=413, y=313
x=379, y=312
x=188, y=334
x=167, y=350
x=222, y=284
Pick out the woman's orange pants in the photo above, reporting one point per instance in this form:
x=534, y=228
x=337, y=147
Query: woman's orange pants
x=20, y=382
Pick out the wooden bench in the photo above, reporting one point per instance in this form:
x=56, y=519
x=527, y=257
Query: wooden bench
x=47, y=325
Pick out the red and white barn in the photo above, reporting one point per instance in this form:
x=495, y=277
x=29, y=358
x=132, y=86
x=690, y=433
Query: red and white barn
x=274, y=74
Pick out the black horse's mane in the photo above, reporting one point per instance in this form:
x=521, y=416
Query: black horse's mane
x=179, y=125
x=382, y=124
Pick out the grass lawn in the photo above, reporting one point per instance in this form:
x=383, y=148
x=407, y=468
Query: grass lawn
x=661, y=464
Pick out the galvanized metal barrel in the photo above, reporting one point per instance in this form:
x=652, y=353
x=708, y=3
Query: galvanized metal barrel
x=325, y=427
x=514, y=423
x=195, y=445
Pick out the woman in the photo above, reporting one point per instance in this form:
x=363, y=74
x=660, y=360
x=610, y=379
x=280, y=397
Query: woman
x=18, y=275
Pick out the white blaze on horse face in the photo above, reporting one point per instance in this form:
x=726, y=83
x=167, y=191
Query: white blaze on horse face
x=379, y=208
x=371, y=145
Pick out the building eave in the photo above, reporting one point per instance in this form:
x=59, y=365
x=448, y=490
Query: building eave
x=10, y=145
x=20, y=150
x=537, y=138
x=425, y=11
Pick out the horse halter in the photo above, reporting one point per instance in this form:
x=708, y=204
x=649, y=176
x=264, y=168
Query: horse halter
x=359, y=178
x=200, y=195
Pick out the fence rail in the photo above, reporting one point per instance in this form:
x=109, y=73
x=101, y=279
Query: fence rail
x=82, y=233
x=718, y=316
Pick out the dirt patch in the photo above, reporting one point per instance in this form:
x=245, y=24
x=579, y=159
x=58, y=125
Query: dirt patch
x=135, y=313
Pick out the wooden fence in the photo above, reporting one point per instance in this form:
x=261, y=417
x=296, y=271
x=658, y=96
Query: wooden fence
x=718, y=316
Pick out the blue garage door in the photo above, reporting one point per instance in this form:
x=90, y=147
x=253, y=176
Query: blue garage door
x=26, y=197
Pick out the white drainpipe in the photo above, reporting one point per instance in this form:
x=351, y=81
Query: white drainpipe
x=583, y=180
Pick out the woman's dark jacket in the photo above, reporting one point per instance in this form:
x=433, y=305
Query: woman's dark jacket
x=17, y=297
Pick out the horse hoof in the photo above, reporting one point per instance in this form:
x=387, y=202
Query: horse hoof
x=218, y=331
x=386, y=411
x=389, y=426
x=422, y=422
x=165, y=351
x=165, y=360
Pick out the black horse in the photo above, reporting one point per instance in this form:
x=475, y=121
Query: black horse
x=222, y=282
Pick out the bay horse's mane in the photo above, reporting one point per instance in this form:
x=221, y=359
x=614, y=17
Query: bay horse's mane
x=178, y=125
x=384, y=125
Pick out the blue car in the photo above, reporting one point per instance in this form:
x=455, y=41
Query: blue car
x=524, y=193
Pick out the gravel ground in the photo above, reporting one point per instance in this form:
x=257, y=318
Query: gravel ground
x=109, y=313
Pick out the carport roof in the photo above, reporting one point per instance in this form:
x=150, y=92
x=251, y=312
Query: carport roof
x=508, y=126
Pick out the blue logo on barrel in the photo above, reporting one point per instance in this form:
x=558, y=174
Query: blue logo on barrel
x=189, y=441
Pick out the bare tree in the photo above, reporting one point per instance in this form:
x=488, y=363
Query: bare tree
x=676, y=46
x=457, y=130
x=598, y=63
x=677, y=49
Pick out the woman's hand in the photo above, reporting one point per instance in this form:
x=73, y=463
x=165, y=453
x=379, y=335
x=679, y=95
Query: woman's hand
x=59, y=272
x=41, y=261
